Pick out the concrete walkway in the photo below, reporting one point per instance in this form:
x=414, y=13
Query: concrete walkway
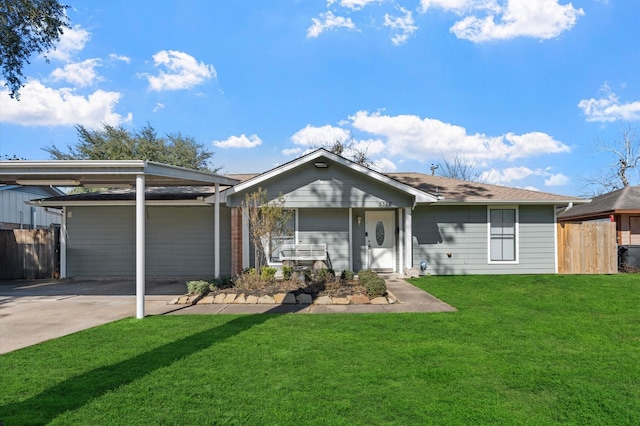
x=33, y=311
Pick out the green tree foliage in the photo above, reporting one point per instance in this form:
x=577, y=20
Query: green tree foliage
x=117, y=143
x=27, y=27
x=268, y=221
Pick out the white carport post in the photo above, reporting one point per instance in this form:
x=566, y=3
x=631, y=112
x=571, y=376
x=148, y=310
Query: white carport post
x=216, y=231
x=408, y=238
x=140, y=246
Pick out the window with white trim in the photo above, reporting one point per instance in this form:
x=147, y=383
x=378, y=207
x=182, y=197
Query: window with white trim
x=503, y=234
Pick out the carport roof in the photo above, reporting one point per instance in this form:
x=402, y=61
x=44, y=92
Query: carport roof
x=103, y=173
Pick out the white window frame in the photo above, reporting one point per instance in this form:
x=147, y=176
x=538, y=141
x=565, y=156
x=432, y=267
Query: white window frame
x=516, y=236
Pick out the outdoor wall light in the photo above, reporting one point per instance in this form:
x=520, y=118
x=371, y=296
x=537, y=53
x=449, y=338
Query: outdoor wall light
x=359, y=220
x=321, y=165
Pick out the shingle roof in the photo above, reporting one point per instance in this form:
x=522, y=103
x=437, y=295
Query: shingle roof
x=456, y=190
x=625, y=199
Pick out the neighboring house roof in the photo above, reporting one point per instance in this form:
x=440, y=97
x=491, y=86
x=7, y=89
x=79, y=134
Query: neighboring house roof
x=625, y=200
x=459, y=191
x=34, y=190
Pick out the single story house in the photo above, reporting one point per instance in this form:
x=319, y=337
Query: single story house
x=622, y=207
x=362, y=218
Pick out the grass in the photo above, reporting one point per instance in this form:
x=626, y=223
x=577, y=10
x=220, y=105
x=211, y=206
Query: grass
x=520, y=350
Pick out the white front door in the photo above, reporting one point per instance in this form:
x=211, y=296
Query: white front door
x=380, y=237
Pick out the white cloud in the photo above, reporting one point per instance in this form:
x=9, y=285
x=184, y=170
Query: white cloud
x=158, y=107
x=428, y=139
x=609, y=108
x=71, y=41
x=353, y=4
x=241, y=141
x=557, y=180
x=291, y=151
x=508, y=175
x=320, y=136
x=115, y=57
x=370, y=146
x=181, y=71
x=402, y=27
x=485, y=20
x=459, y=6
x=44, y=106
x=79, y=74
x=384, y=165
x=328, y=21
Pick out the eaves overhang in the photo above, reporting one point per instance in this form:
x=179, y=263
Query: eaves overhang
x=557, y=202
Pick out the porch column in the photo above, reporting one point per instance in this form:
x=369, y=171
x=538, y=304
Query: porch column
x=401, y=241
x=216, y=233
x=408, y=238
x=63, y=244
x=245, y=238
x=350, y=239
x=140, y=243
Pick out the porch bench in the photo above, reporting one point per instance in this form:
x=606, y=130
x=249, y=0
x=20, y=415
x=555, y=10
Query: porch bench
x=303, y=252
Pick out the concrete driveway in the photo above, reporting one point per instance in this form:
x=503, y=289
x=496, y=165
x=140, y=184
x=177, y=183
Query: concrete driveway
x=32, y=311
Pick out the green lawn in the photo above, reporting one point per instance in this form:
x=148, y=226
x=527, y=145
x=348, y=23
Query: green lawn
x=520, y=350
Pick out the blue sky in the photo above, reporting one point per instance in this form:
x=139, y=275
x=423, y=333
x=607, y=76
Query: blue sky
x=524, y=89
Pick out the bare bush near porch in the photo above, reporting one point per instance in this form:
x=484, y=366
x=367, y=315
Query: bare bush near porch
x=267, y=220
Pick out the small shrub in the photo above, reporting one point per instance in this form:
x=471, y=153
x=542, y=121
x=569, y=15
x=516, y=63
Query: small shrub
x=376, y=287
x=373, y=283
x=365, y=274
x=248, y=280
x=287, y=271
x=347, y=275
x=198, y=287
x=222, y=282
x=322, y=274
x=268, y=274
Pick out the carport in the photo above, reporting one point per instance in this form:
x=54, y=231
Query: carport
x=117, y=173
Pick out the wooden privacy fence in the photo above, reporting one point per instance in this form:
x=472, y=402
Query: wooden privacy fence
x=587, y=248
x=29, y=253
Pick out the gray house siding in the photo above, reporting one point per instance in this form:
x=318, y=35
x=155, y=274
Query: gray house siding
x=461, y=231
x=15, y=213
x=333, y=187
x=179, y=241
x=330, y=226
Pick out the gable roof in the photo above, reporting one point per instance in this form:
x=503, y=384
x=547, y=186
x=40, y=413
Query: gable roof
x=420, y=196
x=626, y=199
x=455, y=191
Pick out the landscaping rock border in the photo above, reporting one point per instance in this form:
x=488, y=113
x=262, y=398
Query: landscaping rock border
x=282, y=299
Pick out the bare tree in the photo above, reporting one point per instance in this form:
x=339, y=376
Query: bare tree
x=458, y=167
x=268, y=220
x=624, y=152
x=349, y=150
